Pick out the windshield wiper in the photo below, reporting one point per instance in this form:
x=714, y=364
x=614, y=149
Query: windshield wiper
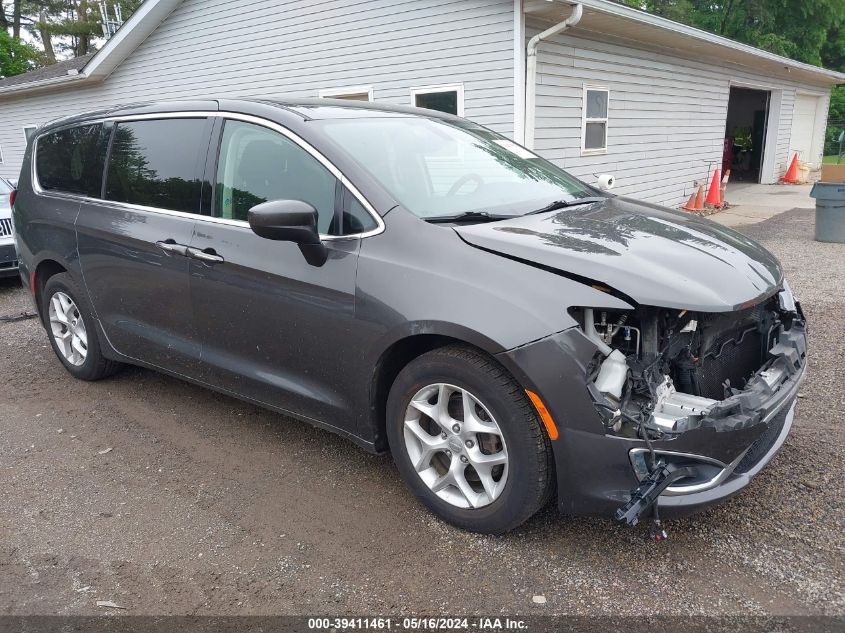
x=563, y=204
x=469, y=216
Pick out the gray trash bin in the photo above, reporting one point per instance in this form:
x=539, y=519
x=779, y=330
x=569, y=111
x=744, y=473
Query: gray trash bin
x=830, y=211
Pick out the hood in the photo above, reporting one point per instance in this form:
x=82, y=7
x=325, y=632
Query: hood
x=654, y=255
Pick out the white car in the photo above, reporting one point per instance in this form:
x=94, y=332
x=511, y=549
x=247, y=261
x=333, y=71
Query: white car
x=8, y=255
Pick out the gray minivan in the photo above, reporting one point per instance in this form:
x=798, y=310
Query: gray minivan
x=420, y=284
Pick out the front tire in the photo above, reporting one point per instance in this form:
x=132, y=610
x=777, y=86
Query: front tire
x=71, y=327
x=468, y=442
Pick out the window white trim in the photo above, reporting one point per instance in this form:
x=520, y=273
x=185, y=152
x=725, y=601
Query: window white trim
x=585, y=120
x=334, y=93
x=1, y=155
x=25, y=128
x=427, y=90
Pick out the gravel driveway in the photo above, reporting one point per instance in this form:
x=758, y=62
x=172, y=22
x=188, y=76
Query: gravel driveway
x=169, y=499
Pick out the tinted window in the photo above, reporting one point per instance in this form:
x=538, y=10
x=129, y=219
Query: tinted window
x=156, y=163
x=71, y=160
x=257, y=165
x=442, y=101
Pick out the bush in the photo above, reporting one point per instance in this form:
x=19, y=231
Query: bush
x=16, y=57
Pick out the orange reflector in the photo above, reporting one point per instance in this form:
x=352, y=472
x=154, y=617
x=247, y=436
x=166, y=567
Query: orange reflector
x=545, y=416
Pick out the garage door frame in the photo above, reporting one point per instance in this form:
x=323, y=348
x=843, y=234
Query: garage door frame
x=813, y=156
x=770, y=145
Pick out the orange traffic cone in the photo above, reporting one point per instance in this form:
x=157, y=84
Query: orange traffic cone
x=791, y=175
x=696, y=200
x=713, y=197
x=690, y=205
x=699, y=199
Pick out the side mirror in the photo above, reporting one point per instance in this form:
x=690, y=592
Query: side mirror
x=290, y=221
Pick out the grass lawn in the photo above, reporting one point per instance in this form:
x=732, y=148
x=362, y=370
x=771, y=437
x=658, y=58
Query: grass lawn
x=832, y=159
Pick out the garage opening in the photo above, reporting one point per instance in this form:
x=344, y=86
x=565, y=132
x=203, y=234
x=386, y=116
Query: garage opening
x=745, y=133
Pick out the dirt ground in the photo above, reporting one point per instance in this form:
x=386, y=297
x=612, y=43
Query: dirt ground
x=169, y=499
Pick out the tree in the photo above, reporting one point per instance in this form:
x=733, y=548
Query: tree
x=15, y=22
x=70, y=26
x=16, y=57
x=64, y=27
x=802, y=31
x=835, y=122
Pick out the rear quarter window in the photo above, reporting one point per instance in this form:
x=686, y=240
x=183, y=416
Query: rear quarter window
x=71, y=160
x=157, y=163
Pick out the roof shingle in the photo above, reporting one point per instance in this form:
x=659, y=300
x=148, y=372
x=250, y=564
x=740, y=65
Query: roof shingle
x=59, y=69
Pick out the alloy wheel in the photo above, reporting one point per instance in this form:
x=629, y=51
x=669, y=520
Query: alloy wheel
x=456, y=446
x=68, y=329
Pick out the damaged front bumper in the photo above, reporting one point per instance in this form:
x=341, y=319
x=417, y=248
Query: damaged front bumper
x=684, y=499
x=720, y=444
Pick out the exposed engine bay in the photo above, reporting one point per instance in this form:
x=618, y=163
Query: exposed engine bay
x=660, y=372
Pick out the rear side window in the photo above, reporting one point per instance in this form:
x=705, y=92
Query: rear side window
x=156, y=163
x=71, y=160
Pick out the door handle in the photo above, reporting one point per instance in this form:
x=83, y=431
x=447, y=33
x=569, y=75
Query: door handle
x=208, y=256
x=171, y=247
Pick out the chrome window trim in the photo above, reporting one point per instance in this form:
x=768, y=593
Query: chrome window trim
x=236, y=116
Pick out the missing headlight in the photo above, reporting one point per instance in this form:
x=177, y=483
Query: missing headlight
x=660, y=371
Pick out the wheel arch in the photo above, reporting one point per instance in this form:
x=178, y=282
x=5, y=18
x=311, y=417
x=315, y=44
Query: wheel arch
x=405, y=348
x=41, y=274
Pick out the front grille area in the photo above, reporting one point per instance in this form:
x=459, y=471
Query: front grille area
x=5, y=227
x=739, y=358
x=724, y=347
x=735, y=356
x=764, y=443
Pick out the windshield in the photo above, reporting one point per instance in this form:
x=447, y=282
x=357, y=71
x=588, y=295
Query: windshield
x=437, y=168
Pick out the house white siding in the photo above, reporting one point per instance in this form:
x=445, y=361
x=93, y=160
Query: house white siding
x=295, y=48
x=667, y=114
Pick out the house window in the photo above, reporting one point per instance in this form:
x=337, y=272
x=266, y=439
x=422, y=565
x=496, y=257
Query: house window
x=355, y=93
x=594, y=124
x=29, y=132
x=449, y=99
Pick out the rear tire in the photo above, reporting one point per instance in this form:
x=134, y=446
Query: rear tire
x=445, y=458
x=71, y=327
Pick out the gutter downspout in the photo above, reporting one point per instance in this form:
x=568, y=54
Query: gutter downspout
x=531, y=69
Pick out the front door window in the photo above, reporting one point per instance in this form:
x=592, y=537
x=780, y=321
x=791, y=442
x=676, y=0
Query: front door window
x=258, y=165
